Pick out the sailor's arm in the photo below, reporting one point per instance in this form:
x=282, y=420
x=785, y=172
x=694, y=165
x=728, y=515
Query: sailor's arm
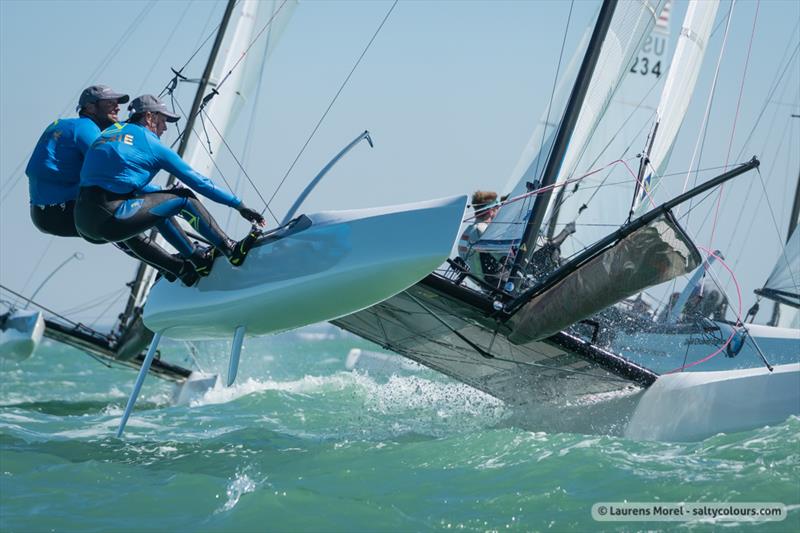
x=172, y=163
x=559, y=239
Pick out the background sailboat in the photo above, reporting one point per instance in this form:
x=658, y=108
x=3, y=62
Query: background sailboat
x=241, y=44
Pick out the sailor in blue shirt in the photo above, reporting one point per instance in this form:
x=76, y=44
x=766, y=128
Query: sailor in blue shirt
x=116, y=200
x=54, y=169
x=54, y=177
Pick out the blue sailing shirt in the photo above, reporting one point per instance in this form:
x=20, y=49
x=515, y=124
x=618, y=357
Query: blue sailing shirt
x=54, y=169
x=126, y=157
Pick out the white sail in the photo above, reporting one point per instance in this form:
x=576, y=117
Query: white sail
x=783, y=284
x=631, y=23
x=249, y=19
x=602, y=200
x=678, y=89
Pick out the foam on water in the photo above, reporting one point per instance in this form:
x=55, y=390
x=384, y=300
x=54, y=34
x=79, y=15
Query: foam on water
x=300, y=444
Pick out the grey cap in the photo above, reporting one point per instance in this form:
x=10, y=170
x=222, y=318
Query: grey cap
x=95, y=93
x=148, y=102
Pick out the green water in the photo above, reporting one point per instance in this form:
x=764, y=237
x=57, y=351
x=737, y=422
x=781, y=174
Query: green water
x=301, y=443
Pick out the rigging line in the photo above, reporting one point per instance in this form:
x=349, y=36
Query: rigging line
x=92, y=303
x=215, y=90
x=38, y=263
x=458, y=334
x=555, y=83
x=721, y=20
x=735, y=120
x=76, y=325
x=206, y=150
x=100, y=68
x=105, y=310
x=704, y=124
x=14, y=173
x=770, y=96
x=248, y=143
x=241, y=167
x=319, y=123
x=746, y=198
x=249, y=46
x=99, y=360
x=114, y=50
x=641, y=42
x=606, y=147
x=787, y=164
x=166, y=45
x=197, y=50
x=737, y=314
x=563, y=183
x=762, y=197
x=624, y=153
x=777, y=231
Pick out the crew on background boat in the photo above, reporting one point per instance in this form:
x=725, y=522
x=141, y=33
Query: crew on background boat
x=481, y=264
x=54, y=172
x=547, y=257
x=116, y=200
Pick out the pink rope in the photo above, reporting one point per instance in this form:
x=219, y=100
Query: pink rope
x=735, y=119
x=570, y=181
x=738, y=316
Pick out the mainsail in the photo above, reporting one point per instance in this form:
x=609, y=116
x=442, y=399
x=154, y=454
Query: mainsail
x=677, y=93
x=631, y=23
x=601, y=200
x=241, y=49
x=240, y=80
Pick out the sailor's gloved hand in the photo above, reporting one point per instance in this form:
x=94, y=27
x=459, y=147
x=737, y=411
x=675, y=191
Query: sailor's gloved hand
x=570, y=228
x=251, y=215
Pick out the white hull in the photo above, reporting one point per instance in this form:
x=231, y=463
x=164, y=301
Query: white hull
x=690, y=406
x=665, y=352
x=21, y=334
x=343, y=262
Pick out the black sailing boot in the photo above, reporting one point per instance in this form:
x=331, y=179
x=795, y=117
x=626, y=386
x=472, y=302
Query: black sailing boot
x=188, y=274
x=202, y=259
x=241, y=249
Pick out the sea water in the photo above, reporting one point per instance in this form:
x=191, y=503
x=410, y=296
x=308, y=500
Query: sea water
x=301, y=443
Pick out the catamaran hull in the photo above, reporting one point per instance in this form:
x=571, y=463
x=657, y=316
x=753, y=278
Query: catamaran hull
x=690, y=347
x=691, y=406
x=317, y=268
x=21, y=334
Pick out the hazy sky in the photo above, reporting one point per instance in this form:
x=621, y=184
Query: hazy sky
x=450, y=91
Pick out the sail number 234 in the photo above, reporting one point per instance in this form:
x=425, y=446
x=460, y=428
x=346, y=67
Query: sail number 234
x=649, y=60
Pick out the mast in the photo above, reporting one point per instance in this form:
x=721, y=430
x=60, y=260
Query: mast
x=203, y=84
x=140, y=282
x=561, y=142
